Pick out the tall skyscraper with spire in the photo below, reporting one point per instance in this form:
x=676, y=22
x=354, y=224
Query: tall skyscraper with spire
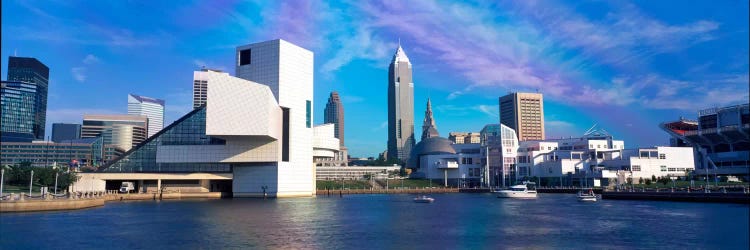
x=429, y=129
x=400, y=107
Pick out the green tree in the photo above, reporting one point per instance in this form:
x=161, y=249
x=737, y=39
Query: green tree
x=648, y=182
x=640, y=180
x=653, y=178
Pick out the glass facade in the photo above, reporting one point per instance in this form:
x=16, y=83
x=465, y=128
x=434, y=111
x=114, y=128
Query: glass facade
x=86, y=152
x=188, y=130
x=18, y=102
x=65, y=131
x=31, y=71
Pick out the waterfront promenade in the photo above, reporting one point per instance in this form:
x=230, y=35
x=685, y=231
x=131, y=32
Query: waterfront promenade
x=71, y=201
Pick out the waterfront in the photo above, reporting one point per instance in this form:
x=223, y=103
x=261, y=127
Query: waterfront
x=385, y=222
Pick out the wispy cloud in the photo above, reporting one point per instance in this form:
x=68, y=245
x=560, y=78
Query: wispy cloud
x=91, y=59
x=79, y=73
x=491, y=111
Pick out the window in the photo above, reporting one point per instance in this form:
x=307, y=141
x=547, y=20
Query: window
x=636, y=168
x=285, y=135
x=664, y=168
x=244, y=57
x=308, y=115
x=662, y=156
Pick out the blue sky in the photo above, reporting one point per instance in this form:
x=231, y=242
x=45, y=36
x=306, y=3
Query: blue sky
x=626, y=65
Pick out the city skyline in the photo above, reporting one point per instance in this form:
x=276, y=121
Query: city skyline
x=641, y=61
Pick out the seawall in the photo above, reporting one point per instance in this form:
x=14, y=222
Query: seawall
x=324, y=192
x=49, y=205
x=732, y=197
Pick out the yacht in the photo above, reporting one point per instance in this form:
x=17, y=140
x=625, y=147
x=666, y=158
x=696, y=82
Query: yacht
x=423, y=199
x=517, y=191
x=586, y=195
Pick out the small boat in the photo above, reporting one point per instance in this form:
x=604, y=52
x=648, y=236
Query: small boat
x=423, y=199
x=517, y=191
x=586, y=195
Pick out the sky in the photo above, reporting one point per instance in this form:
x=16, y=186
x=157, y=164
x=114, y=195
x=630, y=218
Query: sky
x=625, y=66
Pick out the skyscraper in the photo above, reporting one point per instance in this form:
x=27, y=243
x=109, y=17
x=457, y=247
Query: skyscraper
x=334, y=113
x=400, y=107
x=151, y=108
x=524, y=113
x=65, y=131
x=33, y=73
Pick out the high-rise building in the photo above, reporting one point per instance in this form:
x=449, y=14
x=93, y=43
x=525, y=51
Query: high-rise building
x=151, y=108
x=200, y=86
x=18, y=102
x=65, y=131
x=400, y=107
x=334, y=113
x=124, y=131
x=287, y=70
x=33, y=73
x=524, y=113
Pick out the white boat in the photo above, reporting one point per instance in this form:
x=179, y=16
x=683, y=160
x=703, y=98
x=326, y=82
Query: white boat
x=423, y=199
x=587, y=195
x=517, y=191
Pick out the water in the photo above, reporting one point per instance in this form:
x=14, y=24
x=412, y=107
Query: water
x=454, y=221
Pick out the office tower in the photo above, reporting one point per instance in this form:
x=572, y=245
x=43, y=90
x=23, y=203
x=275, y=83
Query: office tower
x=151, y=108
x=200, y=86
x=65, y=131
x=125, y=131
x=18, y=99
x=287, y=70
x=26, y=74
x=400, y=107
x=524, y=113
x=334, y=113
x=429, y=129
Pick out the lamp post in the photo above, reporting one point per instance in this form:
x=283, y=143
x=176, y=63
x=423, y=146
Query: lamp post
x=55, y=180
x=2, y=179
x=31, y=181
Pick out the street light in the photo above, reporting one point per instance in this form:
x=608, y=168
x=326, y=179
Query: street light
x=55, y=168
x=31, y=181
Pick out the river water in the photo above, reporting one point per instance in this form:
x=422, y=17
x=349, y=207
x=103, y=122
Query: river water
x=453, y=221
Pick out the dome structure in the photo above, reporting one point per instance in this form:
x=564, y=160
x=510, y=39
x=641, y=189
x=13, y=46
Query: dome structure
x=429, y=146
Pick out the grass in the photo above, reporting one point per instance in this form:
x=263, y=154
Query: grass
x=347, y=184
x=25, y=189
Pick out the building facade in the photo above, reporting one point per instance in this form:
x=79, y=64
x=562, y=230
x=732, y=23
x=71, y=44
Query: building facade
x=464, y=137
x=65, y=131
x=123, y=131
x=74, y=153
x=326, y=146
x=32, y=71
x=287, y=70
x=334, y=113
x=400, y=107
x=18, y=116
x=151, y=108
x=720, y=139
x=200, y=86
x=524, y=113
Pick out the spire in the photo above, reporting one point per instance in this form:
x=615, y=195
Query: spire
x=429, y=129
x=400, y=55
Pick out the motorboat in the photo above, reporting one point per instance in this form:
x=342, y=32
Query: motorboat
x=517, y=191
x=586, y=195
x=424, y=199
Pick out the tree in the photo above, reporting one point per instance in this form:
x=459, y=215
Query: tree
x=648, y=182
x=640, y=180
x=653, y=178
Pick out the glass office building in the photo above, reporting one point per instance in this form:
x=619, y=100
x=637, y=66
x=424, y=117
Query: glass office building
x=18, y=116
x=65, y=131
x=31, y=71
